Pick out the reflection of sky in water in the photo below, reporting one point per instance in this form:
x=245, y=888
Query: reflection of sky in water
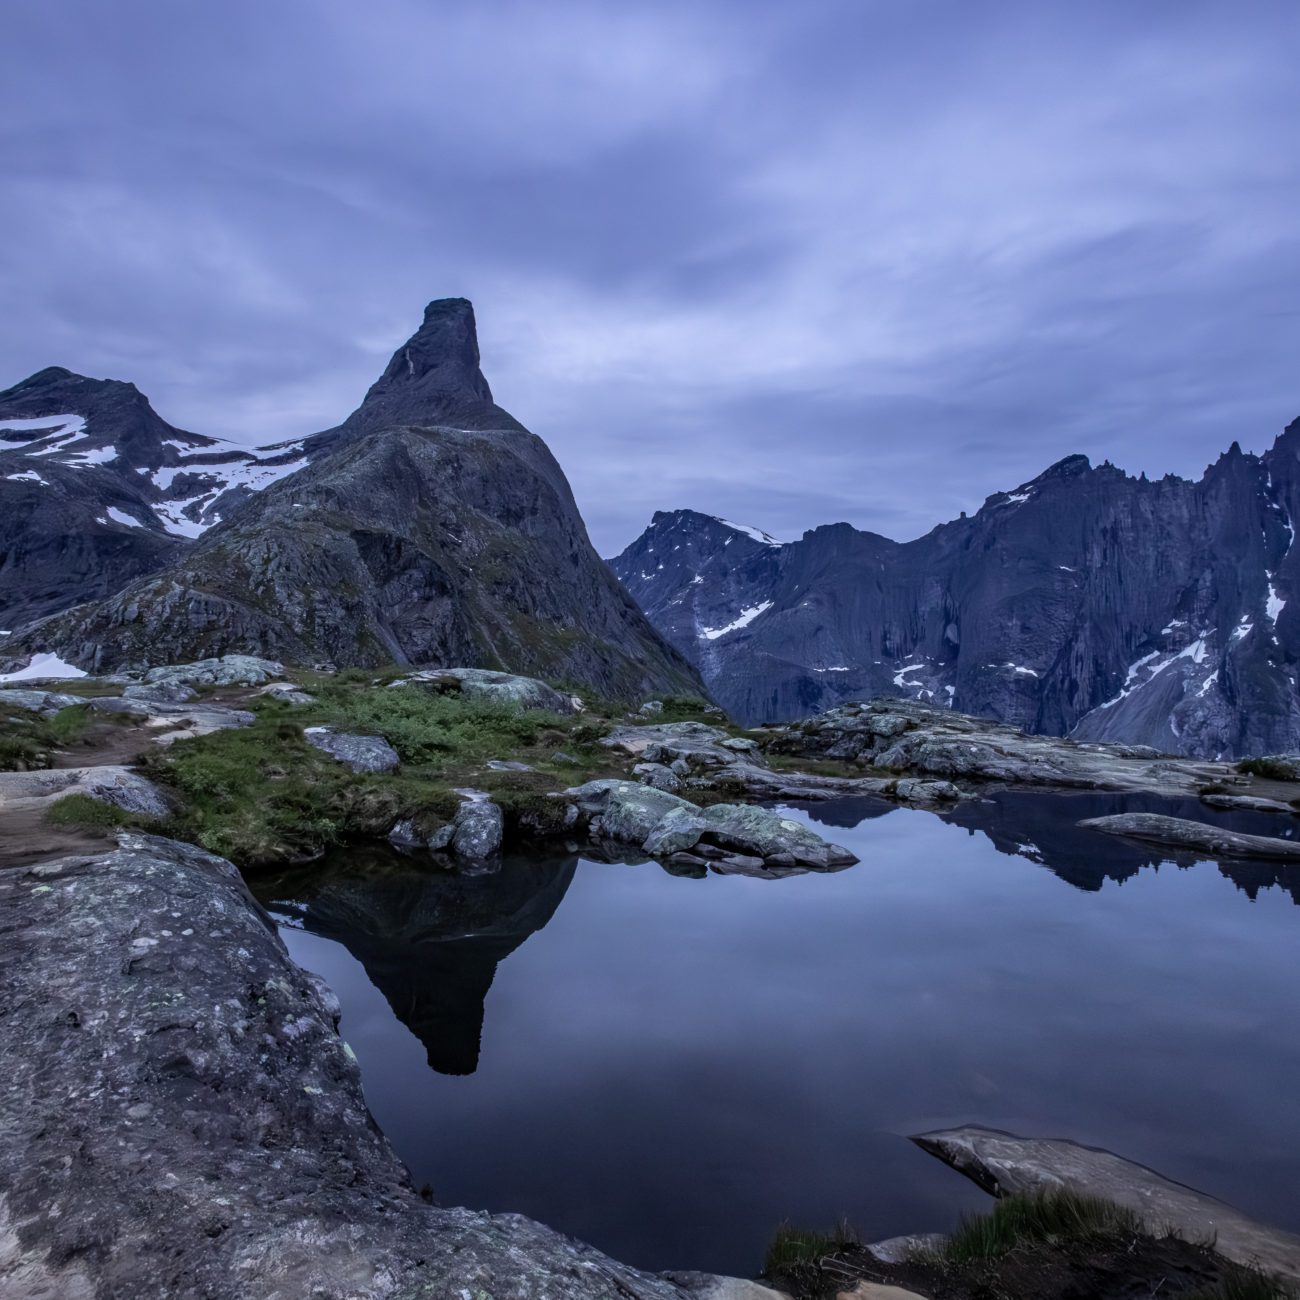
x=669, y=1066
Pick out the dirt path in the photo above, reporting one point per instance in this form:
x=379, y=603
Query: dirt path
x=109, y=741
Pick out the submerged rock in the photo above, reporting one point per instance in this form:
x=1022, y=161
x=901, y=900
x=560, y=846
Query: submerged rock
x=1179, y=832
x=159, y=1037
x=227, y=670
x=360, y=753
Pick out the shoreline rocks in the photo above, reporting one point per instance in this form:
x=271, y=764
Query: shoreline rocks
x=920, y=740
x=140, y=983
x=1004, y=1165
x=724, y=836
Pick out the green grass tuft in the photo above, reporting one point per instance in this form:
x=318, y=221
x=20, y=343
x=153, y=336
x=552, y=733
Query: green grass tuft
x=1046, y=1217
x=792, y=1248
x=82, y=811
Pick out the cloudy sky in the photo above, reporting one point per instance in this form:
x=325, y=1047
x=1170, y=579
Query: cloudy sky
x=866, y=260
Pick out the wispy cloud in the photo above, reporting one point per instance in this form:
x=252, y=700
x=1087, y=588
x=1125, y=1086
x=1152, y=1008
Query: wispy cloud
x=791, y=264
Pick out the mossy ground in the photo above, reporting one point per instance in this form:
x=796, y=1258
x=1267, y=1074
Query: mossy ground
x=261, y=795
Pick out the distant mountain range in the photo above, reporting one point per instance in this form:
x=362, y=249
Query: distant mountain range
x=1085, y=603
x=429, y=527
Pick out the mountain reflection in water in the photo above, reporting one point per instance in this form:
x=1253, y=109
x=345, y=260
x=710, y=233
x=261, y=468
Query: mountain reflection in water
x=669, y=1067
x=430, y=940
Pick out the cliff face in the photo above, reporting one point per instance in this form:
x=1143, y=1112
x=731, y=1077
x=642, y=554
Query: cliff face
x=1085, y=602
x=430, y=527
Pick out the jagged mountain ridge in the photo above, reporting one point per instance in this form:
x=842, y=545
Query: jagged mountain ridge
x=1086, y=603
x=400, y=537
x=96, y=489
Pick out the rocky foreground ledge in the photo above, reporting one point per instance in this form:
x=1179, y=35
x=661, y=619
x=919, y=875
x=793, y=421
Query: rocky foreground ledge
x=179, y=1116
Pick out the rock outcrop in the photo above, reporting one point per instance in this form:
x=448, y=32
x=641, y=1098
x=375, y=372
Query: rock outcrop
x=140, y=987
x=725, y=837
x=109, y=783
x=429, y=528
x=685, y=756
x=925, y=741
x=359, y=753
x=498, y=688
x=1084, y=602
x=1004, y=1165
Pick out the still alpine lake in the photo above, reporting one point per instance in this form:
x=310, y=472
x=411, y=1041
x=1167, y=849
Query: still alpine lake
x=667, y=1066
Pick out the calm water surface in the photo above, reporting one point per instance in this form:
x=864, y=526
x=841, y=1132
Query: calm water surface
x=667, y=1067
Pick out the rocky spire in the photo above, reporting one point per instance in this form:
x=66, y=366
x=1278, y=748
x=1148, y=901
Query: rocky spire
x=434, y=377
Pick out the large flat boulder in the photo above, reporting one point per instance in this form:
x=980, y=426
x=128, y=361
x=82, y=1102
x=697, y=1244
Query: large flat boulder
x=109, y=783
x=37, y=701
x=360, y=753
x=663, y=825
x=1005, y=1165
x=179, y=1116
x=760, y=833
x=501, y=688
x=225, y=670
x=919, y=740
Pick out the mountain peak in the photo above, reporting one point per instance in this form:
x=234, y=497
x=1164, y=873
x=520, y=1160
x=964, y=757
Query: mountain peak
x=434, y=377
x=42, y=379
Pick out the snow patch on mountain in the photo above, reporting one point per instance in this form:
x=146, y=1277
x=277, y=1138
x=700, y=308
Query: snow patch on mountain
x=121, y=517
x=757, y=534
x=43, y=666
x=53, y=426
x=744, y=619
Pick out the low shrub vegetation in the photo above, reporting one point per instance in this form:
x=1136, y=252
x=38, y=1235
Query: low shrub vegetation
x=27, y=740
x=1270, y=769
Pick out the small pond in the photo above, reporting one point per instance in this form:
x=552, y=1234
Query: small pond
x=669, y=1066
